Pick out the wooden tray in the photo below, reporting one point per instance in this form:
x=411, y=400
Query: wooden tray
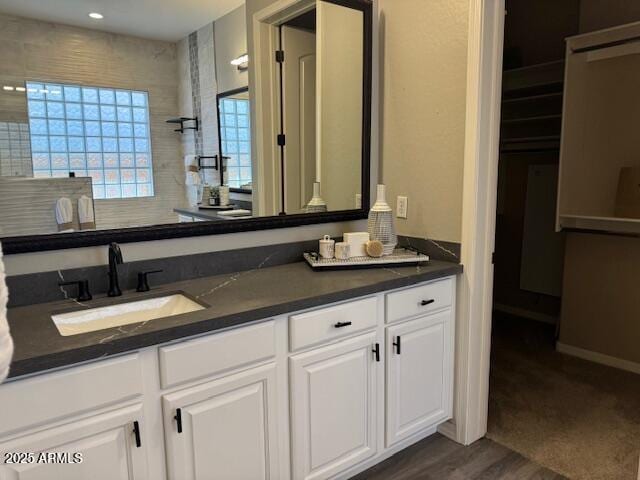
x=400, y=256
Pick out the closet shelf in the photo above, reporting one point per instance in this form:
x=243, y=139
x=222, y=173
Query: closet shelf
x=540, y=118
x=592, y=223
x=533, y=98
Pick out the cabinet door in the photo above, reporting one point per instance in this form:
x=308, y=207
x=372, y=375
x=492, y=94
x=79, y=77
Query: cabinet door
x=419, y=374
x=333, y=403
x=107, y=443
x=225, y=429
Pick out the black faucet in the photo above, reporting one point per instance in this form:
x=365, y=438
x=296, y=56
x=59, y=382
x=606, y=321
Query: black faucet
x=115, y=257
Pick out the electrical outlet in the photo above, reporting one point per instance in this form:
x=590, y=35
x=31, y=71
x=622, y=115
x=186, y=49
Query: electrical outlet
x=401, y=207
x=358, y=201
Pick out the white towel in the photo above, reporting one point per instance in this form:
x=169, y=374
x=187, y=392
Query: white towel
x=64, y=214
x=192, y=170
x=6, y=343
x=85, y=213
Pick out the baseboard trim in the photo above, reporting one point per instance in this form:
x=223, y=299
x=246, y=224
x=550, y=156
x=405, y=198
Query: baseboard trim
x=449, y=430
x=524, y=313
x=597, y=357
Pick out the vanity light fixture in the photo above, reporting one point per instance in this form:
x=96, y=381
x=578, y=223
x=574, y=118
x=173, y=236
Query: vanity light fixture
x=242, y=62
x=96, y=16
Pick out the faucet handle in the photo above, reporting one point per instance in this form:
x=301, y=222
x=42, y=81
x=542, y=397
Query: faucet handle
x=84, y=295
x=143, y=281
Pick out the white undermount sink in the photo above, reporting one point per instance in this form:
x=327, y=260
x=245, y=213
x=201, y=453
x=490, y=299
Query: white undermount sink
x=83, y=321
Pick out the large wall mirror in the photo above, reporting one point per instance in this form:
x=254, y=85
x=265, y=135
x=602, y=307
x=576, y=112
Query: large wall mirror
x=144, y=125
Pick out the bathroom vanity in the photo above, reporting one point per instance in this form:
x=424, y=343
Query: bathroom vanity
x=287, y=373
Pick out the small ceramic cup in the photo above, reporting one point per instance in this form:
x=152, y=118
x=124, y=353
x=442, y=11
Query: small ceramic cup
x=327, y=247
x=343, y=249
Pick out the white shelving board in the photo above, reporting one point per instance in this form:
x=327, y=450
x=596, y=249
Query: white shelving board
x=599, y=134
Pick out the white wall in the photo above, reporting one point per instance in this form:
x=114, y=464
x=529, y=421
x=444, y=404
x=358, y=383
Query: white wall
x=231, y=42
x=90, y=256
x=339, y=87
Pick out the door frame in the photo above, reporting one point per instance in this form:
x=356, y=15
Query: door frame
x=480, y=184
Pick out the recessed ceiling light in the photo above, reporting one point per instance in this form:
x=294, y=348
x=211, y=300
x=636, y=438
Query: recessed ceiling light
x=96, y=16
x=20, y=89
x=8, y=88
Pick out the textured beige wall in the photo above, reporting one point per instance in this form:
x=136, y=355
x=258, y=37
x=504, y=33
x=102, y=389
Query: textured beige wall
x=424, y=52
x=600, y=302
x=600, y=14
x=36, y=50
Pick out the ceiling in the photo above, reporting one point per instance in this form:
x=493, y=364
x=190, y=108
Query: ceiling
x=168, y=20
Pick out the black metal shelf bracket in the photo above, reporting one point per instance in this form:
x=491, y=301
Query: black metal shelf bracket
x=219, y=161
x=182, y=120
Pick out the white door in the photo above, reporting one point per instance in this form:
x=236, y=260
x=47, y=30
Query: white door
x=333, y=403
x=106, y=444
x=225, y=429
x=419, y=375
x=299, y=102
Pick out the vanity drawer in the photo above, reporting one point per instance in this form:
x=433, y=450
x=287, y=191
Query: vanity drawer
x=418, y=300
x=327, y=324
x=45, y=398
x=216, y=353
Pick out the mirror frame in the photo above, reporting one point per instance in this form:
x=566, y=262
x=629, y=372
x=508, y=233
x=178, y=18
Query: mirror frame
x=58, y=241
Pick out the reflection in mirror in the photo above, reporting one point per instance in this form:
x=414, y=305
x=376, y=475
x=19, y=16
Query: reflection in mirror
x=110, y=124
x=321, y=89
x=235, y=139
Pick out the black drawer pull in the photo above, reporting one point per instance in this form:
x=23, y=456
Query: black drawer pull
x=427, y=302
x=376, y=352
x=178, y=418
x=342, y=324
x=397, y=344
x=136, y=433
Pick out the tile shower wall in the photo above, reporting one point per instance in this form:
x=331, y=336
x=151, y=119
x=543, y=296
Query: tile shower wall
x=197, y=90
x=15, y=150
x=92, y=57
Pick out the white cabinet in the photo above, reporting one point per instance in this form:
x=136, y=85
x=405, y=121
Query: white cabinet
x=419, y=375
x=225, y=429
x=305, y=396
x=106, y=442
x=333, y=407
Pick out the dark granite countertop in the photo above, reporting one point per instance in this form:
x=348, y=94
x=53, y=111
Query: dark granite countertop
x=231, y=299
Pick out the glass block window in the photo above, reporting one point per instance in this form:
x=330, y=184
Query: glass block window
x=235, y=138
x=15, y=150
x=102, y=133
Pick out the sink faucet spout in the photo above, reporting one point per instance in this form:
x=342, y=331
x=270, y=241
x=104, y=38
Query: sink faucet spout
x=115, y=258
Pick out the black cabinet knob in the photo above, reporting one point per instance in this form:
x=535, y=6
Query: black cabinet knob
x=178, y=419
x=376, y=352
x=136, y=433
x=397, y=344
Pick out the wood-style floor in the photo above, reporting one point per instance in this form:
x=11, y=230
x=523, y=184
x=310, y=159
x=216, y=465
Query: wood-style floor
x=438, y=458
